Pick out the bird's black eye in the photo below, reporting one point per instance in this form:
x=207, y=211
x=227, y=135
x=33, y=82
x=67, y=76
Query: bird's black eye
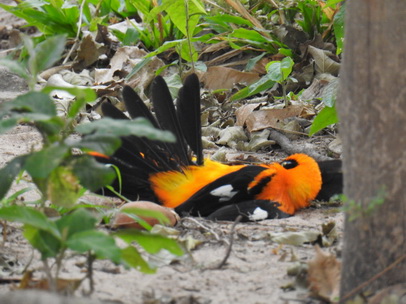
x=289, y=163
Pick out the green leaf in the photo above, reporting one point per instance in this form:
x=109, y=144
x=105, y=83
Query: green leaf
x=29, y=216
x=105, y=144
x=138, y=127
x=9, y=173
x=92, y=174
x=15, y=67
x=13, y=197
x=177, y=12
x=262, y=84
x=46, y=53
x=63, y=188
x=40, y=164
x=152, y=243
x=131, y=36
x=280, y=70
x=253, y=61
x=101, y=244
x=52, y=126
x=83, y=95
x=338, y=25
x=132, y=257
x=34, y=102
x=7, y=124
x=46, y=243
x=77, y=221
x=326, y=117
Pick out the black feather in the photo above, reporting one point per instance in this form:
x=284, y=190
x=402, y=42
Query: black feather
x=246, y=209
x=332, y=177
x=136, y=107
x=188, y=111
x=166, y=116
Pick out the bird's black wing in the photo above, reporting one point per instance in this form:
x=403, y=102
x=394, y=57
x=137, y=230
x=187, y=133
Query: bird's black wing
x=230, y=189
x=250, y=211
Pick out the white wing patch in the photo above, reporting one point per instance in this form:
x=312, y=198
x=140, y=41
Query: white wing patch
x=258, y=215
x=225, y=192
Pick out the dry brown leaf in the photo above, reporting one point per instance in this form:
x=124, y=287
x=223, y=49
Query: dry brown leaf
x=243, y=112
x=324, y=64
x=327, y=10
x=89, y=52
x=225, y=78
x=271, y=118
x=224, y=57
x=324, y=275
x=122, y=64
x=63, y=286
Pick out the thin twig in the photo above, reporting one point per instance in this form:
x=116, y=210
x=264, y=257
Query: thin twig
x=191, y=219
x=374, y=278
x=77, y=34
x=230, y=245
x=51, y=280
x=90, y=260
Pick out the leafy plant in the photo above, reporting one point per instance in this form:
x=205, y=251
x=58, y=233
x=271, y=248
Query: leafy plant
x=65, y=17
x=61, y=175
x=277, y=72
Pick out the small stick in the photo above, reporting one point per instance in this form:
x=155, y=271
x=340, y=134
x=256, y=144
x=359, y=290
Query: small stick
x=191, y=219
x=230, y=245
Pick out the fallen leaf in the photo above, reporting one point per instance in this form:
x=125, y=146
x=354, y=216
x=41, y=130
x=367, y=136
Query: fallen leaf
x=63, y=286
x=324, y=64
x=260, y=140
x=218, y=77
x=231, y=136
x=243, y=112
x=324, y=275
x=271, y=118
x=295, y=238
x=88, y=53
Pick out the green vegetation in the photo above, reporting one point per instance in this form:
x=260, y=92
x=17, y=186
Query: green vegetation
x=62, y=176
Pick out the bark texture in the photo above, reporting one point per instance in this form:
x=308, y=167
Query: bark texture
x=372, y=110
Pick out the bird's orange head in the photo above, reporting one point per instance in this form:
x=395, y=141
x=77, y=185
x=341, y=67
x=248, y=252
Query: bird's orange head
x=294, y=182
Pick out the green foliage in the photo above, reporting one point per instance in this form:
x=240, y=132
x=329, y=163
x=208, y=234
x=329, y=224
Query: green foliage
x=339, y=28
x=62, y=177
x=277, y=72
x=326, y=117
x=77, y=231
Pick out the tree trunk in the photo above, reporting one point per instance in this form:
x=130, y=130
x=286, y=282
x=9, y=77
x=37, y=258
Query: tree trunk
x=372, y=110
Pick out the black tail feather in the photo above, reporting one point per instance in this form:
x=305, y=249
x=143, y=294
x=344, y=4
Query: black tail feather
x=166, y=115
x=139, y=157
x=188, y=111
x=136, y=107
x=332, y=176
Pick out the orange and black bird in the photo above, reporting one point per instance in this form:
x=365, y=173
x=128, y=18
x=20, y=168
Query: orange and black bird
x=166, y=173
